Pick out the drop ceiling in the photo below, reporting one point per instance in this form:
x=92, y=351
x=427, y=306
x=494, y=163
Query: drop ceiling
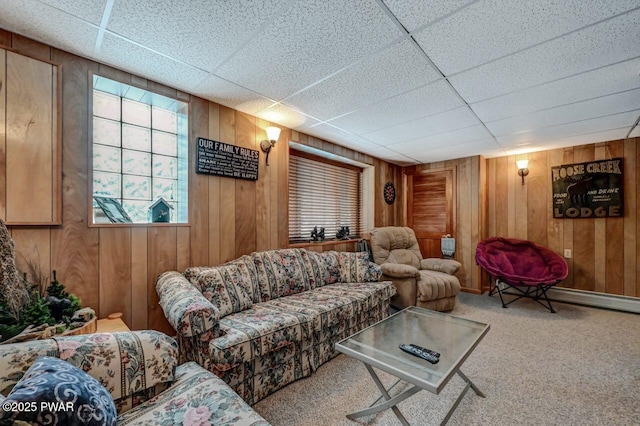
x=409, y=81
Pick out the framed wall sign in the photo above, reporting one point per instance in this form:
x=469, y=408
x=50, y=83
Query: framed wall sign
x=223, y=159
x=592, y=189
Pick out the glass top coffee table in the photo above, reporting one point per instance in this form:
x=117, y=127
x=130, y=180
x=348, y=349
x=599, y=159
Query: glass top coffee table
x=377, y=346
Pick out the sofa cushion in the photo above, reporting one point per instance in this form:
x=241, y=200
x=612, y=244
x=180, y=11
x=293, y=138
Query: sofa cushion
x=357, y=268
x=328, y=265
x=293, y=320
x=72, y=396
x=226, y=288
x=248, y=276
x=285, y=272
x=365, y=295
x=334, y=303
x=258, y=331
x=18, y=357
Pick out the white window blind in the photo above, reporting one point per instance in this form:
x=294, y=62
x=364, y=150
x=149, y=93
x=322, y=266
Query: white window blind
x=323, y=194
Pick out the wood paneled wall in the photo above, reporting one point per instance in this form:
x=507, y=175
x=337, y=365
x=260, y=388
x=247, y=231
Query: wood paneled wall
x=114, y=269
x=470, y=217
x=605, y=251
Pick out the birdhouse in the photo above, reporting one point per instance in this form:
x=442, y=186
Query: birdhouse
x=160, y=211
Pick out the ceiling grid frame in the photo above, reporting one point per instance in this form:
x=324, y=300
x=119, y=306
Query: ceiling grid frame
x=515, y=107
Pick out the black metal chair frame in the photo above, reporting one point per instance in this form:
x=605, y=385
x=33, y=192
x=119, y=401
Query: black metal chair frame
x=534, y=292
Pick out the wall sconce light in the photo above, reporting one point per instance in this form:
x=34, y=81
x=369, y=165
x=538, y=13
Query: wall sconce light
x=273, y=133
x=522, y=168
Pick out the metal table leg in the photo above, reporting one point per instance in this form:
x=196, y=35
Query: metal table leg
x=393, y=402
x=388, y=403
x=464, y=391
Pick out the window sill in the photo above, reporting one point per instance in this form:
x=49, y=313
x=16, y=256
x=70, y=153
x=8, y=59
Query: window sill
x=322, y=243
x=135, y=225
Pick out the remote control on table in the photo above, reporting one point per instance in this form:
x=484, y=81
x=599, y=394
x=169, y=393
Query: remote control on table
x=434, y=353
x=419, y=353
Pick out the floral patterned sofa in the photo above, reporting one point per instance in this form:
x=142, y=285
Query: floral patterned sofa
x=141, y=372
x=269, y=318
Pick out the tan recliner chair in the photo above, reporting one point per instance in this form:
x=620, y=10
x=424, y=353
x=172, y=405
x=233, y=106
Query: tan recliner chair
x=427, y=283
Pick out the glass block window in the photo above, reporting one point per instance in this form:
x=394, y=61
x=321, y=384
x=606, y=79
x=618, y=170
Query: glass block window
x=139, y=150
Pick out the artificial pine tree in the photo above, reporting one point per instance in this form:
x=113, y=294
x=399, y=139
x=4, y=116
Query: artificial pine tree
x=56, y=289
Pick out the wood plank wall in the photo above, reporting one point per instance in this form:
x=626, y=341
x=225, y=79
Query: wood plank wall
x=469, y=227
x=605, y=251
x=114, y=269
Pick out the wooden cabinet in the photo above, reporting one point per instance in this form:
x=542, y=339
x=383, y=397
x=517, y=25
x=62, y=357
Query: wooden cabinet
x=30, y=143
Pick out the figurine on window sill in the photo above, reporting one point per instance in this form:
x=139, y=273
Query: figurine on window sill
x=343, y=233
x=317, y=235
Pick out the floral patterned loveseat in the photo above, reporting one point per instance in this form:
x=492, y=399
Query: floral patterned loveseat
x=141, y=372
x=266, y=319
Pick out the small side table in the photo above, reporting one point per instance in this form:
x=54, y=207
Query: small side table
x=112, y=323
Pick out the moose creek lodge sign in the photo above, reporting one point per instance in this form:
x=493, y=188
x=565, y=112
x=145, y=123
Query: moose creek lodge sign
x=592, y=189
x=223, y=159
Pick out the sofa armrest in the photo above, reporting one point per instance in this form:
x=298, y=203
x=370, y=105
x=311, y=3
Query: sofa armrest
x=197, y=397
x=125, y=362
x=448, y=266
x=399, y=270
x=184, y=306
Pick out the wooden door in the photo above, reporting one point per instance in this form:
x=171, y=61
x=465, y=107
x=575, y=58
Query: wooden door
x=431, y=207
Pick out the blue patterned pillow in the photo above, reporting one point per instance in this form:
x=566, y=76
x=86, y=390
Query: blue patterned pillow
x=54, y=392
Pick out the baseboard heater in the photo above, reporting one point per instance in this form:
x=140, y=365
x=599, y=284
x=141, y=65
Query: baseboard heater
x=600, y=300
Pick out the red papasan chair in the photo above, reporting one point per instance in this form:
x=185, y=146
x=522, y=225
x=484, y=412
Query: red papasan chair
x=524, y=266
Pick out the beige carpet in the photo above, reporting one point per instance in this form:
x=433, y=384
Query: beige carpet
x=580, y=366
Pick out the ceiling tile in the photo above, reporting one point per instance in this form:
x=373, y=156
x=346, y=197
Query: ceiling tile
x=287, y=117
x=593, y=125
x=495, y=28
x=148, y=64
x=395, y=70
x=327, y=132
x=459, y=151
x=359, y=143
x=635, y=133
x=457, y=137
x=612, y=41
x=228, y=94
x=204, y=33
x=89, y=10
x=424, y=101
x=413, y=14
x=48, y=25
x=391, y=156
x=606, y=105
x=582, y=139
x=311, y=40
x=603, y=81
x=439, y=123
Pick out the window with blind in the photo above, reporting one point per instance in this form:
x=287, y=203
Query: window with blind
x=323, y=193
